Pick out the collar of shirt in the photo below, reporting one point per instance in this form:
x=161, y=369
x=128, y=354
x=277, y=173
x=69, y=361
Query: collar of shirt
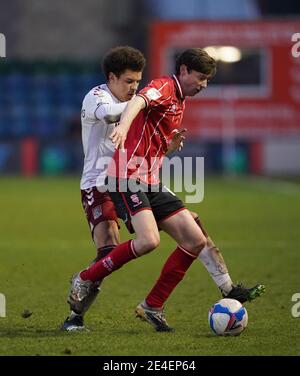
x=106, y=88
x=178, y=87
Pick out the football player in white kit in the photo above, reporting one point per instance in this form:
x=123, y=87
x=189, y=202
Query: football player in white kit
x=101, y=110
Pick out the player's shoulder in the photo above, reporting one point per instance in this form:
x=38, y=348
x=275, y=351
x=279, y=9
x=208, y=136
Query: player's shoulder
x=162, y=82
x=157, y=88
x=164, y=85
x=98, y=94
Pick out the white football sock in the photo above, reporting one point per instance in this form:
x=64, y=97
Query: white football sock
x=213, y=261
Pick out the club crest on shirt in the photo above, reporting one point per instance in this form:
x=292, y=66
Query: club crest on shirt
x=153, y=94
x=136, y=200
x=97, y=212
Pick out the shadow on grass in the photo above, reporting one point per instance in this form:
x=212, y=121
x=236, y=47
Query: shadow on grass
x=33, y=332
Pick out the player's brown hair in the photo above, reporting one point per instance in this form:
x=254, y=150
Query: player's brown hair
x=197, y=59
x=120, y=58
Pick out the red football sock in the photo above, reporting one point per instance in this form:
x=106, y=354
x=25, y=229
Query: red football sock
x=119, y=256
x=172, y=273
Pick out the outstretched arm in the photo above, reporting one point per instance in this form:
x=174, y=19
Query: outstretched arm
x=110, y=112
x=119, y=134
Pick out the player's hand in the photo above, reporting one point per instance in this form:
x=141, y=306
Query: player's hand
x=177, y=141
x=118, y=137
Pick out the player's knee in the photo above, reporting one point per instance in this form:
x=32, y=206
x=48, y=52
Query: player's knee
x=109, y=239
x=202, y=243
x=195, y=244
x=199, y=244
x=152, y=242
x=148, y=243
x=106, y=233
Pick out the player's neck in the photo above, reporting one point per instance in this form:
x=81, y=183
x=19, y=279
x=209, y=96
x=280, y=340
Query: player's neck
x=111, y=89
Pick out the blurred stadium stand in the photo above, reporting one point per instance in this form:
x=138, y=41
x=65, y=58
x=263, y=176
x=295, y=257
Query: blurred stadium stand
x=203, y=9
x=42, y=100
x=68, y=29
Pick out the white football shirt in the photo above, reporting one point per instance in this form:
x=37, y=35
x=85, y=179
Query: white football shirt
x=99, y=114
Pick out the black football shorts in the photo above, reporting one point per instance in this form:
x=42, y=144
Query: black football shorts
x=163, y=202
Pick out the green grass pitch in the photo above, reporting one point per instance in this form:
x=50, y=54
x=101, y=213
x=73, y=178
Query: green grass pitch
x=44, y=238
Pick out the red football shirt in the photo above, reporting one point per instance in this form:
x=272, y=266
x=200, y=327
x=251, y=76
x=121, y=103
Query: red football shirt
x=151, y=131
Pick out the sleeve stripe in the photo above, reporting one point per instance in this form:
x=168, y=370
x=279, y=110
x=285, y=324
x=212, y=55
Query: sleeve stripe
x=166, y=83
x=100, y=104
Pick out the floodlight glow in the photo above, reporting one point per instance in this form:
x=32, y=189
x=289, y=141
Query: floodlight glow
x=213, y=51
x=229, y=54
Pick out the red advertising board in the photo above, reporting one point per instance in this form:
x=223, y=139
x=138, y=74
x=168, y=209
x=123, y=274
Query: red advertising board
x=254, y=98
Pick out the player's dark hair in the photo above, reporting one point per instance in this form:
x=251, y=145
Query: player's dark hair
x=196, y=59
x=120, y=58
